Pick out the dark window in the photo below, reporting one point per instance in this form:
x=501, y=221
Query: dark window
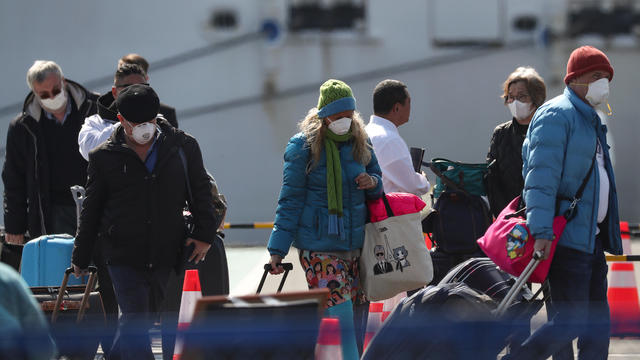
x=315, y=15
x=223, y=19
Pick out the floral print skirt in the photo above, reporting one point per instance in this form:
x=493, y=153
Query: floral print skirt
x=341, y=276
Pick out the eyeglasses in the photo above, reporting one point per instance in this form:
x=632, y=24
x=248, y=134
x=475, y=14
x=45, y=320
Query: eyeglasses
x=380, y=254
x=127, y=85
x=522, y=98
x=54, y=93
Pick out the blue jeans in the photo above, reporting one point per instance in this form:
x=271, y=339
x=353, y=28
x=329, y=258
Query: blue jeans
x=139, y=293
x=579, y=293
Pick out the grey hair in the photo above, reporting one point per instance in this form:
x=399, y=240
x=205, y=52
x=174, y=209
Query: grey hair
x=40, y=70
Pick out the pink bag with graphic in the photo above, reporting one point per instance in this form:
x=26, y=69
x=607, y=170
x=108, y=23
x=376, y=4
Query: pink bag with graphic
x=509, y=243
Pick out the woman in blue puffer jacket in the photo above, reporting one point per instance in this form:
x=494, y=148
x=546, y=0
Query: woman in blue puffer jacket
x=566, y=143
x=330, y=170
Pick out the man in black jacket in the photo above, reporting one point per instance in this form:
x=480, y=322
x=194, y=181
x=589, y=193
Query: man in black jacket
x=136, y=191
x=42, y=159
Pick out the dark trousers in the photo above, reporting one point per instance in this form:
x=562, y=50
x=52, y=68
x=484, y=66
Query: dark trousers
x=105, y=287
x=579, y=293
x=64, y=220
x=139, y=293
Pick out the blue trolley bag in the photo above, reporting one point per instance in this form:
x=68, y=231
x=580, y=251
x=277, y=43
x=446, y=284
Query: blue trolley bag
x=45, y=258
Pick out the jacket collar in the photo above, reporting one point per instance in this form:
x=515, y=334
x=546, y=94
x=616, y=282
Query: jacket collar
x=386, y=124
x=76, y=91
x=585, y=110
x=519, y=128
x=116, y=141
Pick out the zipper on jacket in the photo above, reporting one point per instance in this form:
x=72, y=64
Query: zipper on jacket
x=35, y=145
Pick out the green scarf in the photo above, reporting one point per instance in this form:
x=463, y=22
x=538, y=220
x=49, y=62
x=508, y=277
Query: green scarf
x=334, y=180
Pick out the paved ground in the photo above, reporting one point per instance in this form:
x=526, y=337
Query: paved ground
x=245, y=267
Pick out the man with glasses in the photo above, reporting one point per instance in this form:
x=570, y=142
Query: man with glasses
x=97, y=128
x=382, y=266
x=42, y=159
x=167, y=111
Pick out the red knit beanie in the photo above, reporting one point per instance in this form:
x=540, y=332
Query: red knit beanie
x=585, y=59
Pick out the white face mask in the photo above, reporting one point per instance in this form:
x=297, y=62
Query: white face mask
x=57, y=102
x=598, y=92
x=142, y=133
x=340, y=126
x=520, y=110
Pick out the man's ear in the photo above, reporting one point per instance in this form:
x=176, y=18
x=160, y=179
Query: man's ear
x=113, y=92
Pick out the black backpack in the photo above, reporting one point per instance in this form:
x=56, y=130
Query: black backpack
x=459, y=217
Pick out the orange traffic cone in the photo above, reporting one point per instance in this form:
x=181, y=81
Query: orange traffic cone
x=623, y=293
x=329, y=345
x=191, y=292
x=374, y=321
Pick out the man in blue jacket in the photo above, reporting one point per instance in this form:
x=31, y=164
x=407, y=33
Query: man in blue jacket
x=565, y=146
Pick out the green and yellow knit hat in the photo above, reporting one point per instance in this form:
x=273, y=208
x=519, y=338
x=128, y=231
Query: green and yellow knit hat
x=335, y=97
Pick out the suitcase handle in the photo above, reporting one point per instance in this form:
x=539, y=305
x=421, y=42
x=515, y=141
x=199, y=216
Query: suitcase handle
x=522, y=279
x=85, y=297
x=267, y=267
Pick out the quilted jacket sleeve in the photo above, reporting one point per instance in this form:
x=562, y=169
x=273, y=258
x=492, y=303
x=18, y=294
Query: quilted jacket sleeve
x=373, y=169
x=14, y=176
x=292, y=196
x=543, y=156
x=493, y=180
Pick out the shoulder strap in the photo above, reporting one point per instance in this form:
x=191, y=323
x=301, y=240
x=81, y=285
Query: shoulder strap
x=570, y=213
x=183, y=159
x=387, y=206
x=586, y=178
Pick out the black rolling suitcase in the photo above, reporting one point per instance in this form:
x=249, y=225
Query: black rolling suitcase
x=214, y=280
x=471, y=314
x=76, y=314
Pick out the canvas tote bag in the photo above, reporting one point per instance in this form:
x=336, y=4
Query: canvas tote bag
x=394, y=256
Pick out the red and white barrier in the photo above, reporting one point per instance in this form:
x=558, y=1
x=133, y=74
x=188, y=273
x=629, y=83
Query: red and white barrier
x=378, y=313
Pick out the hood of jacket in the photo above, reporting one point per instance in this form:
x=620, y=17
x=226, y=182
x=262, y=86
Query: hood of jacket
x=32, y=106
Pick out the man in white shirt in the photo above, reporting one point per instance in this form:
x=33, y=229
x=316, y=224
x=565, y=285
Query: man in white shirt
x=392, y=107
x=98, y=128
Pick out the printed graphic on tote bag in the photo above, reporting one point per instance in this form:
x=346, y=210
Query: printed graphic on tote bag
x=516, y=239
x=383, y=263
x=382, y=266
x=400, y=254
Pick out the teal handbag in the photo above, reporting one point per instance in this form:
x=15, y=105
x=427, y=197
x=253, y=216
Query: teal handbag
x=468, y=177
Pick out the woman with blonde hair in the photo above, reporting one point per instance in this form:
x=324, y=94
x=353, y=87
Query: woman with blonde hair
x=330, y=169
